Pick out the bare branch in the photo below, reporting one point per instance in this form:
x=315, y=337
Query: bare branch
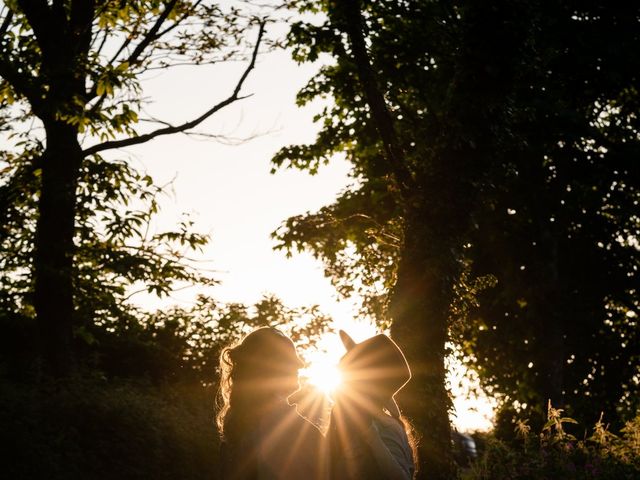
x=235, y=96
x=223, y=139
x=220, y=138
x=156, y=120
x=182, y=64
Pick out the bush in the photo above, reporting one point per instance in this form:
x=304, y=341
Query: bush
x=98, y=430
x=558, y=455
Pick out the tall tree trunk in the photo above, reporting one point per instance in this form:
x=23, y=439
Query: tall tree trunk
x=419, y=308
x=421, y=298
x=54, y=246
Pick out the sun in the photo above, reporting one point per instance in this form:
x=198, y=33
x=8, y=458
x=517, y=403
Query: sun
x=474, y=409
x=322, y=360
x=322, y=370
x=323, y=374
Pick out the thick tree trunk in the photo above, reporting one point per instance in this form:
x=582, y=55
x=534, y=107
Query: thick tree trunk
x=423, y=292
x=54, y=246
x=419, y=309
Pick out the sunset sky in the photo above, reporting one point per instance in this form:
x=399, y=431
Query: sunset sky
x=231, y=194
x=228, y=188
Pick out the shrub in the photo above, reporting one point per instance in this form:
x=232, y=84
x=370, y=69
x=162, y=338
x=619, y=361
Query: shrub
x=555, y=454
x=98, y=430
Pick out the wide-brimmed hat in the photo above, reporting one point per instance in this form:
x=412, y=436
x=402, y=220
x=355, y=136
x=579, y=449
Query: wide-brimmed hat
x=377, y=362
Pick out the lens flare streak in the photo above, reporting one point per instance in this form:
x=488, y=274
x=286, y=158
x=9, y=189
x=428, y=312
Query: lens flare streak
x=323, y=374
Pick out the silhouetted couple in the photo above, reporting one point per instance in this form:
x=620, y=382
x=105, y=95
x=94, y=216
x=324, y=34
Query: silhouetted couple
x=264, y=437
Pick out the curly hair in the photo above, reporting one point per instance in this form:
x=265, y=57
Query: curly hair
x=249, y=373
x=264, y=362
x=223, y=396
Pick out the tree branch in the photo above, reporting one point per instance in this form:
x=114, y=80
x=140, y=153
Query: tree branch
x=81, y=16
x=80, y=22
x=180, y=20
x=20, y=82
x=58, y=14
x=353, y=25
x=126, y=42
x=6, y=24
x=38, y=15
x=151, y=34
x=105, y=36
x=149, y=37
x=235, y=96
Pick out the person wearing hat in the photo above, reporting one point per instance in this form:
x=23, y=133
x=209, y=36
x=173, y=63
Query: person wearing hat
x=263, y=437
x=368, y=437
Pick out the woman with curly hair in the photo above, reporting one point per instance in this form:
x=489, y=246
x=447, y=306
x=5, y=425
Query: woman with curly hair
x=263, y=437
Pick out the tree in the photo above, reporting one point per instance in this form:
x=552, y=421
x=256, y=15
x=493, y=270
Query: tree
x=481, y=97
x=117, y=255
x=559, y=234
x=420, y=169
x=75, y=67
x=182, y=345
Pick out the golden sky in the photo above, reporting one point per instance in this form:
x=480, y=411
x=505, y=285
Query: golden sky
x=231, y=194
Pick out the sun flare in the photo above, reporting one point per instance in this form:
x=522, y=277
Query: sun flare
x=474, y=410
x=323, y=374
x=322, y=369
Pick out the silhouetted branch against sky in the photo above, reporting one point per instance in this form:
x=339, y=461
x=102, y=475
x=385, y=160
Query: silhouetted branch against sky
x=169, y=130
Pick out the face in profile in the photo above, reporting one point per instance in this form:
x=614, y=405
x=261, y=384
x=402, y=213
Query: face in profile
x=283, y=370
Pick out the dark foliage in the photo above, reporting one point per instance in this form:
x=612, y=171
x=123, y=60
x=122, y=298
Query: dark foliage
x=519, y=126
x=556, y=454
x=105, y=430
